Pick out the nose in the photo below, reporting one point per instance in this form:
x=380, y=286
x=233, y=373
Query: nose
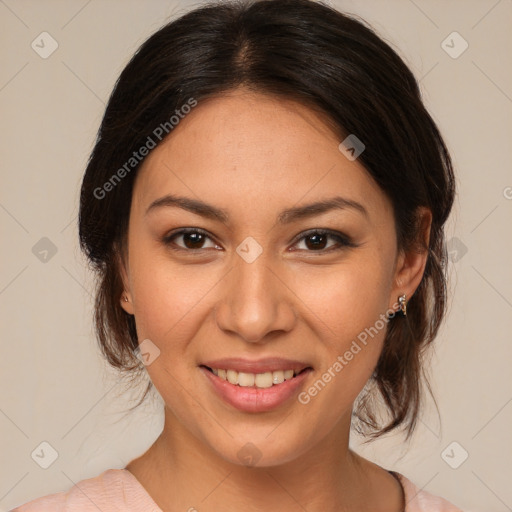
x=255, y=302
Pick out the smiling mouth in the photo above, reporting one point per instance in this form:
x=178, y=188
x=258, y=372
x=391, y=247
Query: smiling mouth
x=255, y=380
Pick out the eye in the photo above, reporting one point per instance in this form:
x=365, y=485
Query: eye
x=190, y=239
x=317, y=240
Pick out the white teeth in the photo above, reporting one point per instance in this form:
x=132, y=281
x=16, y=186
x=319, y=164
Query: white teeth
x=232, y=376
x=263, y=380
x=246, y=379
x=278, y=377
x=259, y=380
x=288, y=374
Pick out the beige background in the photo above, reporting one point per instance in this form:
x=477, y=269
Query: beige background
x=54, y=385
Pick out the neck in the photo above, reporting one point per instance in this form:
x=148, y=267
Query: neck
x=180, y=472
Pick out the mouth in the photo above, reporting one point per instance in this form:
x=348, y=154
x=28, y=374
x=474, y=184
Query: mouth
x=262, y=380
x=256, y=386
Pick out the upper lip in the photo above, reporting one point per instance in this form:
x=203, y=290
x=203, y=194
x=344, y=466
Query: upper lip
x=271, y=364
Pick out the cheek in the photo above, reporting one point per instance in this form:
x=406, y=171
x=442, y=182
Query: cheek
x=348, y=311
x=170, y=300
x=171, y=303
x=346, y=300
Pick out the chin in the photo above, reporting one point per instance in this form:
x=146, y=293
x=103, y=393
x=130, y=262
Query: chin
x=262, y=447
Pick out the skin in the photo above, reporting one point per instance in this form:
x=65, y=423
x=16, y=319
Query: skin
x=254, y=156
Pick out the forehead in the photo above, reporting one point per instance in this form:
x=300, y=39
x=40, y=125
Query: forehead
x=245, y=148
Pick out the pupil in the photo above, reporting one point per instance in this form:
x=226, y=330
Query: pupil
x=318, y=241
x=193, y=240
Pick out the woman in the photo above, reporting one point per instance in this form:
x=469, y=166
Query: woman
x=264, y=208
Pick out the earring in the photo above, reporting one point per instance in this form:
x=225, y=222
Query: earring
x=402, y=300
x=125, y=298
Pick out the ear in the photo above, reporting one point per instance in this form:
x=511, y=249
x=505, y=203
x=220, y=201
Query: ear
x=411, y=262
x=126, y=296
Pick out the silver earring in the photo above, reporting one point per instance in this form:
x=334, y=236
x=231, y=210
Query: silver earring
x=125, y=298
x=402, y=300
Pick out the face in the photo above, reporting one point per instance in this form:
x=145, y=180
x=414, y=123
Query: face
x=256, y=246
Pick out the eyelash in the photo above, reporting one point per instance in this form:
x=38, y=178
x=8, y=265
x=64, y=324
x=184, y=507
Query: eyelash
x=343, y=241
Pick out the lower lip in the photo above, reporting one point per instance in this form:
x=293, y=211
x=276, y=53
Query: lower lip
x=251, y=399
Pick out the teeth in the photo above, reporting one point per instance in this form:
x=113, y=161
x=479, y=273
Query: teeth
x=246, y=379
x=232, y=376
x=259, y=380
x=263, y=380
x=278, y=377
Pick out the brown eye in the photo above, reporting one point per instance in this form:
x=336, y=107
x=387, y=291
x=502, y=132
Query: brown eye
x=316, y=241
x=193, y=240
x=323, y=241
x=190, y=239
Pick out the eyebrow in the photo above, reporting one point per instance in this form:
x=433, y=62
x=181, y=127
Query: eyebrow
x=285, y=217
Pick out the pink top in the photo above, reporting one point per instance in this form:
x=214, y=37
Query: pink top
x=117, y=490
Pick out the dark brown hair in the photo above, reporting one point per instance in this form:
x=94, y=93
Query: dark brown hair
x=311, y=53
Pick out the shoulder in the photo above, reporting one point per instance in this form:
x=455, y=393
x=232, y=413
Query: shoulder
x=112, y=490
x=417, y=500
